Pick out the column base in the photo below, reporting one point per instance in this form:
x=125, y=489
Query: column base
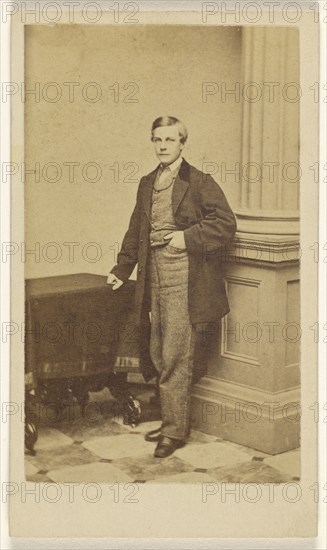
x=266, y=222
x=268, y=422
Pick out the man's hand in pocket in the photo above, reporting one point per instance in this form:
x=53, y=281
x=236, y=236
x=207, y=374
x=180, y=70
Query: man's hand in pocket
x=176, y=239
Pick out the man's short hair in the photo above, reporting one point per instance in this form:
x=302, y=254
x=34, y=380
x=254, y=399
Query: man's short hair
x=170, y=121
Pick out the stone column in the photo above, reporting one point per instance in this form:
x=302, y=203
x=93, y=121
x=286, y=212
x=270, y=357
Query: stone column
x=269, y=189
x=251, y=394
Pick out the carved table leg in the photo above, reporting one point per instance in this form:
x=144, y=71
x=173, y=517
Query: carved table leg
x=31, y=426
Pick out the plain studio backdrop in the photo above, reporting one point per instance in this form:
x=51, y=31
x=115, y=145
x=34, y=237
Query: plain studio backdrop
x=97, y=91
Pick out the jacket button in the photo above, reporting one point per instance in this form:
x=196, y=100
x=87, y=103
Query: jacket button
x=141, y=240
x=139, y=270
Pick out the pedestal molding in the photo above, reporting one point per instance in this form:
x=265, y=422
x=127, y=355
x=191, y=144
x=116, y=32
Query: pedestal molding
x=268, y=223
x=216, y=390
x=260, y=248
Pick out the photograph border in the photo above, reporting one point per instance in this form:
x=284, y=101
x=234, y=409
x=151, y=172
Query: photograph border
x=191, y=516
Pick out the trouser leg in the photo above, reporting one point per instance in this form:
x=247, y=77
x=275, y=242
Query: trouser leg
x=172, y=339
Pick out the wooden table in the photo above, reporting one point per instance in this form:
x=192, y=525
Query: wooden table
x=78, y=332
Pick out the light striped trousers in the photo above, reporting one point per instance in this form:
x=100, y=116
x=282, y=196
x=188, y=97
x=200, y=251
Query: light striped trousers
x=172, y=339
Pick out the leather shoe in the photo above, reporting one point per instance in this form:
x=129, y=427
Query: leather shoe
x=153, y=436
x=166, y=446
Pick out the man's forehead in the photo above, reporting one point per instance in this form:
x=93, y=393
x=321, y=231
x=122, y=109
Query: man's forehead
x=166, y=131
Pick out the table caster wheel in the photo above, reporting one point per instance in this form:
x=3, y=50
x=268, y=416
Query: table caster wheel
x=31, y=435
x=131, y=411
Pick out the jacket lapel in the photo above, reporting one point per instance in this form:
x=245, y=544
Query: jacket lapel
x=180, y=187
x=179, y=190
x=147, y=193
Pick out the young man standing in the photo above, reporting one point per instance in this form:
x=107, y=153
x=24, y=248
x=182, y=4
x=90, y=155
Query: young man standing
x=176, y=233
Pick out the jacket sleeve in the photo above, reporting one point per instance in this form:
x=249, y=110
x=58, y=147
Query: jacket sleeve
x=128, y=255
x=218, y=224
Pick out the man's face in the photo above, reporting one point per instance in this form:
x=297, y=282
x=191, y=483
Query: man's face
x=167, y=144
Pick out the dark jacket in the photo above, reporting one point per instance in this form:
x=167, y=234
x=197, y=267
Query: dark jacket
x=203, y=213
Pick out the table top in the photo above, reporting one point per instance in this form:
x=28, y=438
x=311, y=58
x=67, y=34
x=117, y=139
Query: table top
x=71, y=283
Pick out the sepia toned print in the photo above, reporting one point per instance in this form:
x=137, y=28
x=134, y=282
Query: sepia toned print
x=163, y=265
x=192, y=268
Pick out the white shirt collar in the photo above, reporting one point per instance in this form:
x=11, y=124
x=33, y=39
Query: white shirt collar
x=174, y=165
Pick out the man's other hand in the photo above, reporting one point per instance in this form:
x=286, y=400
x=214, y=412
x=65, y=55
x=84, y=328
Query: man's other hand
x=114, y=281
x=176, y=239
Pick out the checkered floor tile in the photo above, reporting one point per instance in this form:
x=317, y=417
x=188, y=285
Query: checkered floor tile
x=99, y=448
